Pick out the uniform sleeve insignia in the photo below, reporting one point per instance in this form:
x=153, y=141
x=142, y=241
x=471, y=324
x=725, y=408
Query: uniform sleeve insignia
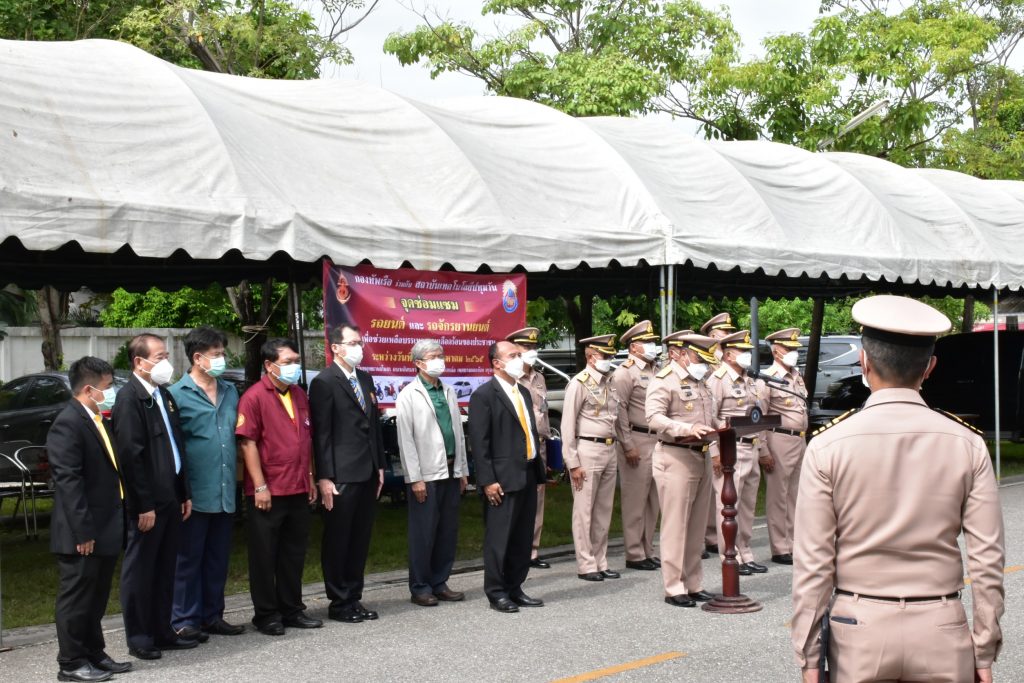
x=240, y=421
x=959, y=420
x=664, y=372
x=833, y=422
x=720, y=372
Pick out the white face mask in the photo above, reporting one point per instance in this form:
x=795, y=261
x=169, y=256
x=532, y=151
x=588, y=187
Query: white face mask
x=514, y=368
x=434, y=367
x=863, y=377
x=790, y=359
x=161, y=372
x=651, y=350
x=353, y=355
x=530, y=357
x=743, y=360
x=697, y=370
x=602, y=365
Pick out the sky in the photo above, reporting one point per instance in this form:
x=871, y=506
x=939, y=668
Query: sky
x=754, y=19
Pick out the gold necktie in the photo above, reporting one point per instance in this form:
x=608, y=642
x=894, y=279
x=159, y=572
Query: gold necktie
x=98, y=419
x=521, y=409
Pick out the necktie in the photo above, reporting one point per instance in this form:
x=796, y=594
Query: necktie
x=359, y=392
x=170, y=433
x=98, y=419
x=521, y=409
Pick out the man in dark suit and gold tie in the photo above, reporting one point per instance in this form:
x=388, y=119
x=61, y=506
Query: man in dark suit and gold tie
x=349, y=452
x=87, y=526
x=503, y=439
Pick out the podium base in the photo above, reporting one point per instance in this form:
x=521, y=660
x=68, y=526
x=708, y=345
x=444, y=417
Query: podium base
x=736, y=604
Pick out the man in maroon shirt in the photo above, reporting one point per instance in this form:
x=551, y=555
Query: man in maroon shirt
x=274, y=435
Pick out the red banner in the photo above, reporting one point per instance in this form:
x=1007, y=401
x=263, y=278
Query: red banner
x=396, y=308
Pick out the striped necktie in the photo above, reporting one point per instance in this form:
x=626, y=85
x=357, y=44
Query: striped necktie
x=359, y=392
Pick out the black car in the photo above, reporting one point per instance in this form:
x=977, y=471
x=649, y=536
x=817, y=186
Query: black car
x=29, y=404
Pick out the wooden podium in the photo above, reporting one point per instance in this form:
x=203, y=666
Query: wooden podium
x=730, y=600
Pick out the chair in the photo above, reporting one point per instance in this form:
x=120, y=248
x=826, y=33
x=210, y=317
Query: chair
x=14, y=483
x=39, y=482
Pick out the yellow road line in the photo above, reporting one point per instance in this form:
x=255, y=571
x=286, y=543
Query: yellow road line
x=1007, y=570
x=619, y=668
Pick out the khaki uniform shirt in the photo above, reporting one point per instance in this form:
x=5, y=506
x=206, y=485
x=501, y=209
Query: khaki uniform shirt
x=676, y=401
x=792, y=409
x=883, y=496
x=734, y=395
x=538, y=388
x=631, y=380
x=591, y=408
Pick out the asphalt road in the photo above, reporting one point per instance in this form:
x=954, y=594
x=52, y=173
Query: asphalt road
x=615, y=630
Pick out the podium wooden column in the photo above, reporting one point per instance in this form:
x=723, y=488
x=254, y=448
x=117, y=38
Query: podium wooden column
x=730, y=600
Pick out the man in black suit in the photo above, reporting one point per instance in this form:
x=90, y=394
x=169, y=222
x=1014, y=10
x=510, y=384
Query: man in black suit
x=503, y=439
x=87, y=524
x=151, y=452
x=349, y=453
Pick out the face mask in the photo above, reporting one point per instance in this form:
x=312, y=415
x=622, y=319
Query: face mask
x=108, y=398
x=697, y=370
x=744, y=360
x=864, y=381
x=353, y=355
x=217, y=366
x=651, y=351
x=435, y=367
x=790, y=359
x=530, y=357
x=602, y=365
x=161, y=372
x=514, y=368
x=289, y=373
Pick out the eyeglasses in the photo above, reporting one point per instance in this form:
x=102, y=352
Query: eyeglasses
x=351, y=343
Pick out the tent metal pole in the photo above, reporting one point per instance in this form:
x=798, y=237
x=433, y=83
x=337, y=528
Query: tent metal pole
x=995, y=379
x=297, y=326
x=672, y=298
x=661, y=301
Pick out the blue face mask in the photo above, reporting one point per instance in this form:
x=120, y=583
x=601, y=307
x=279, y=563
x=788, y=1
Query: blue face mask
x=217, y=366
x=108, y=399
x=290, y=373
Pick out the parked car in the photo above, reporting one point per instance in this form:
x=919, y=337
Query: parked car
x=463, y=388
x=29, y=404
x=838, y=358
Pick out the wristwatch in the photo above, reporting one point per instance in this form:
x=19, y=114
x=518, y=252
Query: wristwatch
x=261, y=489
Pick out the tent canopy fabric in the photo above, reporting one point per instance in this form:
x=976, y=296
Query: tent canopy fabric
x=108, y=151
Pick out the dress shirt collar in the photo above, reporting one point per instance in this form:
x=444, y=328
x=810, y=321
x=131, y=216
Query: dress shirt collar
x=348, y=375
x=638, y=361
x=894, y=396
x=150, y=388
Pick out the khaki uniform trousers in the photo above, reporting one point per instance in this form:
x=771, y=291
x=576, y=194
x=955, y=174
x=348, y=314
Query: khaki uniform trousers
x=639, y=499
x=746, y=478
x=592, y=506
x=891, y=641
x=538, y=522
x=782, y=484
x=683, y=477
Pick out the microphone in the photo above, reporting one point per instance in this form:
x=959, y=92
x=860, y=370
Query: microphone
x=751, y=372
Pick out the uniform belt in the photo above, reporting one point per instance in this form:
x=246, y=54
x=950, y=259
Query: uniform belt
x=791, y=432
x=747, y=439
x=699, y=448
x=606, y=440
x=927, y=598
x=643, y=430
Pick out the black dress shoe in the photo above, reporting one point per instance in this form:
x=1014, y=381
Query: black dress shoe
x=611, y=574
x=346, y=615
x=643, y=565
x=680, y=601
x=145, y=652
x=223, y=628
x=504, y=605
x=700, y=596
x=524, y=600
x=591, y=576
x=656, y=561
x=86, y=672
x=177, y=644
x=108, y=664
x=192, y=633
x=448, y=595
x=704, y=554
x=272, y=628
x=785, y=558
x=744, y=570
x=539, y=563
x=423, y=600
x=300, y=620
x=711, y=548
x=757, y=568
x=366, y=614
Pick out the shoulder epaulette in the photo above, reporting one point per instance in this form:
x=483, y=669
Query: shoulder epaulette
x=582, y=377
x=629, y=363
x=772, y=371
x=959, y=420
x=664, y=372
x=834, y=421
x=720, y=372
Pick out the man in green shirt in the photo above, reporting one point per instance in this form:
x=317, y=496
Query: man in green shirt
x=433, y=452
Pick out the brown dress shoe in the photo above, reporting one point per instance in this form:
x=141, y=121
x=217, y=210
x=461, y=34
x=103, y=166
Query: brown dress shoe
x=448, y=595
x=424, y=600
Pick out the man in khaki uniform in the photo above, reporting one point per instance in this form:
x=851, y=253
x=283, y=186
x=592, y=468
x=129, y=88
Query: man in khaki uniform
x=717, y=327
x=534, y=382
x=636, y=477
x=786, y=443
x=884, y=493
x=735, y=393
x=591, y=424
x=679, y=407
